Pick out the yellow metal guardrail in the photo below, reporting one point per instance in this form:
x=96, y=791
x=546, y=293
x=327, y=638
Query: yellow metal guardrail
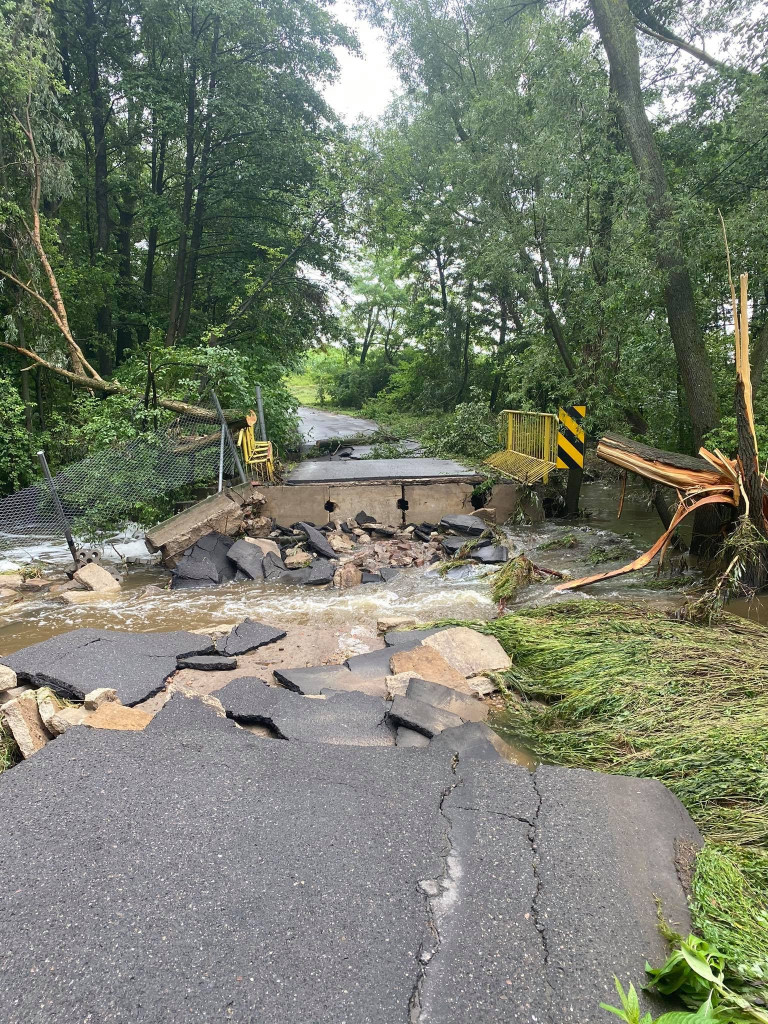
x=258, y=456
x=531, y=446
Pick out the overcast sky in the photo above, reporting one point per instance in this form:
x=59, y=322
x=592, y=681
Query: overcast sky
x=366, y=82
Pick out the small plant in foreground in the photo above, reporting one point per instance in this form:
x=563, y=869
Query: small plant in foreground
x=694, y=973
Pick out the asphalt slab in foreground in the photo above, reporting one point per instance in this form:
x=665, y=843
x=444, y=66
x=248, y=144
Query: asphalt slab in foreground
x=195, y=873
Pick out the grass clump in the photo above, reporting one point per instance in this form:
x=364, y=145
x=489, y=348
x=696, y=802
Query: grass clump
x=616, y=688
x=516, y=573
x=613, y=553
x=568, y=540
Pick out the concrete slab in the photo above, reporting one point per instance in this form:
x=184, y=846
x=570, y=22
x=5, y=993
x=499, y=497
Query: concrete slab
x=378, y=469
x=380, y=501
x=137, y=665
x=428, y=503
x=291, y=504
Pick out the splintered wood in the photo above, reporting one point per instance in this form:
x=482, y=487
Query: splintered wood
x=712, y=479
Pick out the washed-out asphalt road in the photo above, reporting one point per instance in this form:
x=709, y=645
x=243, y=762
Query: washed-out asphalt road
x=194, y=872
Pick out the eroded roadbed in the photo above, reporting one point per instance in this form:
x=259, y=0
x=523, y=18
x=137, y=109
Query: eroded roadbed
x=195, y=872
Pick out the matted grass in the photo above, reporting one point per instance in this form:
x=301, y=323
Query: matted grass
x=617, y=688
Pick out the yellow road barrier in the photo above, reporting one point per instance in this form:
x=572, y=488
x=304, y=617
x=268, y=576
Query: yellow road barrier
x=531, y=446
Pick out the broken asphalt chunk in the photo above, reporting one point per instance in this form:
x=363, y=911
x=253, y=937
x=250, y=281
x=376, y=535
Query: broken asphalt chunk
x=248, y=557
x=317, y=541
x=208, y=662
x=248, y=636
x=470, y=525
x=423, y=718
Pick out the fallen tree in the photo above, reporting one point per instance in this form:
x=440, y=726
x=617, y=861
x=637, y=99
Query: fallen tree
x=712, y=479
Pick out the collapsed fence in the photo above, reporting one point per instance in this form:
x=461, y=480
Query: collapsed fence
x=108, y=490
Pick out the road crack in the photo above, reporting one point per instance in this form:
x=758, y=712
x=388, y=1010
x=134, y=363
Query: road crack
x=534, y=836
x=439, y=894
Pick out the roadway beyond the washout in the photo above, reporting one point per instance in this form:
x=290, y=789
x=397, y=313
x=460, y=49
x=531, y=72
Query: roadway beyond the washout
x=316, y=425
x=196, y=872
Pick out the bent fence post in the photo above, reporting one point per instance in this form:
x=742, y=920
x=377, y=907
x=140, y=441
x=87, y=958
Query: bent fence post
x=232, y=445
x=58, y=507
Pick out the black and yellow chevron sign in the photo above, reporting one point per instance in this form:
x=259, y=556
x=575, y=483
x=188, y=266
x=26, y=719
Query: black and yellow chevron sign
x=570, y=440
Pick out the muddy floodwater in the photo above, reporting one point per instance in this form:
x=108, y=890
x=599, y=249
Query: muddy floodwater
x=596, y=543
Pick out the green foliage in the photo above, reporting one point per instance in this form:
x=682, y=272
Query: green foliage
x=725, y=437
x=17, y=460
x=469, y=432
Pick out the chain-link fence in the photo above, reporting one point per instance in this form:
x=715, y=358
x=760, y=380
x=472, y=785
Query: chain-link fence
x=121, y=484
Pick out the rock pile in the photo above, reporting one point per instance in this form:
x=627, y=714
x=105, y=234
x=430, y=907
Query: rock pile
x=90, y=582
x=345, y=552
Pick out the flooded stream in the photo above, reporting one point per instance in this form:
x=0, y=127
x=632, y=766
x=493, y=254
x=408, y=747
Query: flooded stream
x=594, y=544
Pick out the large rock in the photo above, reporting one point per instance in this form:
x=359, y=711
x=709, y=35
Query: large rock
x=470, y=525
x=65, y=718
x=101, y=695
x=469, y=709
x=22, y=719
x=317, y=541
x=356, y=719
x=490, y=554
x=248, y=636
x=205, y=564
x=348, y=575
x=470, y=653
x=7, y=678
x=137, y=665
x=423, y=718
x=321, y=572
x=266, y=546
x=274, y=568
x=248, y=558
x=95, y=577
x=426, y=663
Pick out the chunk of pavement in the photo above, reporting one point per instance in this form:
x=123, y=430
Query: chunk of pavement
x=410, y=738
x=469, y=709
x=372, y=577
x=66, y=718
x=102, y=695
x=96, y=577
x=137, y=665
x=470, y=525
x=205, y=564
x=295, y=576
x=192, y=716
x=426, y=663
x=423, y=718
x=362, y=518
x=388, y=572
x=355, y=719
x=248, y=636
x=314, y=680
x=472, y=739
x=317, y=541
x=406, y=639
x=452, y=545
x=274, y=568
x=248, y=558
x=469, y=652
x=22, y=718
x=490, y=554
x=321, y=571
x=208, y=662
x=607, y=851
x=7, y=678
x=114, y=716
x=372, y=665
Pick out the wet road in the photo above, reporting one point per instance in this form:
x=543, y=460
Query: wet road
x=316, y=425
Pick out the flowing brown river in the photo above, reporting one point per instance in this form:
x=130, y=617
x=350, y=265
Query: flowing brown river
x=421, y=595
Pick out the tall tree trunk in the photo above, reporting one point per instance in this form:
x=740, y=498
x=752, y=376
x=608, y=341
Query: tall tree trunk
x=370, y=331
x=157, y=184
x=500, y=351
x=617, y=31
x=99, y=117
x=190, y=275
x=186, y=209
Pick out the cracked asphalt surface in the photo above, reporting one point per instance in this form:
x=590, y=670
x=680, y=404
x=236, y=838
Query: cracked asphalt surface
x=194, y=872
